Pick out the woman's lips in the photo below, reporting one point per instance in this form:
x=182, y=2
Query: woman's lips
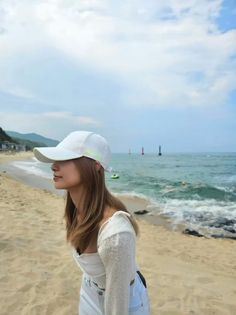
x=56, y=178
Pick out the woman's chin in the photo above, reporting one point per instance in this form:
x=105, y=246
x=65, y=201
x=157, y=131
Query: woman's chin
x=59, y=186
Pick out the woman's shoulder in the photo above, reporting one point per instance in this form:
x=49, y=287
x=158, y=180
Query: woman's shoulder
x=119, y=222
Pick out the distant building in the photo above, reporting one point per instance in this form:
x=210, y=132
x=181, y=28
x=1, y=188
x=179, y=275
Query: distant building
x=9, y=146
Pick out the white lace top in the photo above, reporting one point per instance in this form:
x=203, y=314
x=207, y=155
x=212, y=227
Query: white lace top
x=113, y=267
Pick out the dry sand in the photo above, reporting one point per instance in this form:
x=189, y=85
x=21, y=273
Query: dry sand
x=13, y=156
x=186, y=275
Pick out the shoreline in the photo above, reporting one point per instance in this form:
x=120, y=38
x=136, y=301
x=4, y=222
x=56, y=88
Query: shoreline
x=132, y=203
x=185, y=275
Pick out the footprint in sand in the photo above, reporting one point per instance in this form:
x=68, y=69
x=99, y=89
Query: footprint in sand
x=3, y=245
x=190, y=304
x=204, y=280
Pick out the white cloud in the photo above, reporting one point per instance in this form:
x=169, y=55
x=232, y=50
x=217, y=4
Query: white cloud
x=21, y=31
x=73, y=119
x=156, y=48
x=19, y=92
x=52, y=124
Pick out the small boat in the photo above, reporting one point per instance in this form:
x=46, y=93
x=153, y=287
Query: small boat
x=115, y=176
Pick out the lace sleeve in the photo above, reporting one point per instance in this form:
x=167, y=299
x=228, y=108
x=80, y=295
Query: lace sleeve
x=118, y=256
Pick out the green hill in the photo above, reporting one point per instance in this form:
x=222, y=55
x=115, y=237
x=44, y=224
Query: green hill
x=30, y=140
x=4, y=137
x=34, y=137
x=29, y=144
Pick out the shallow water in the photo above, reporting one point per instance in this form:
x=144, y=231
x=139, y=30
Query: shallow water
x=198, y=190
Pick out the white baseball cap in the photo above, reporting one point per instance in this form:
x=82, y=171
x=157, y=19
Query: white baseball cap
x=76, y=145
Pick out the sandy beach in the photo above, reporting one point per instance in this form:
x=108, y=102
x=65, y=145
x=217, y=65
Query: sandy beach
x=186, y=275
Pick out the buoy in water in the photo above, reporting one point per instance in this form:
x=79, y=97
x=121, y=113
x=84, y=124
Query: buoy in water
x=115, y=176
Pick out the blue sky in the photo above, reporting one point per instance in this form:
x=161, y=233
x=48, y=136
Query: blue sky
x=141, y=73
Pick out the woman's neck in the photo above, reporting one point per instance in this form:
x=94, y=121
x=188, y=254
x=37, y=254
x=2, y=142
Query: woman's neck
x=77, y=196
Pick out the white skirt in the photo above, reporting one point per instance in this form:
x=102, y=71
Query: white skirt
x=92, y=298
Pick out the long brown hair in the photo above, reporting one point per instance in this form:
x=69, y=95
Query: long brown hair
x=80, y=231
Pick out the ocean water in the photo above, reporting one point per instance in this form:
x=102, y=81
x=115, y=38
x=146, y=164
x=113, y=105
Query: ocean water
x=198, y=190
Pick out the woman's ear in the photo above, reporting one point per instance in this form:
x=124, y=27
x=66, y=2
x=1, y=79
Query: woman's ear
x=97, y=165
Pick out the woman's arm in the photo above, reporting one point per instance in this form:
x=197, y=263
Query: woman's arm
x=118, y=256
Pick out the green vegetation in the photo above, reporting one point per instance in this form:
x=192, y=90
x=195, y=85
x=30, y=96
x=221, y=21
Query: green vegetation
x=29, y=145
x=4, y=137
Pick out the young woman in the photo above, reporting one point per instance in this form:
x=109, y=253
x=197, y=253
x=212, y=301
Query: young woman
x=100, y=229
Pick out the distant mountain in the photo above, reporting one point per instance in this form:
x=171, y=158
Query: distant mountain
x=5, y=137
x=33, y=137
x=29, y=144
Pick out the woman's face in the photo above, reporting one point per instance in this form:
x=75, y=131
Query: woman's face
x=65, y=175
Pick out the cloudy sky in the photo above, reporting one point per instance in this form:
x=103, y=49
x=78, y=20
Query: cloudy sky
x=141, y=73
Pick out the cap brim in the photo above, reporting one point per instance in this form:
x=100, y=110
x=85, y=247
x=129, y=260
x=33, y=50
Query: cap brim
x=52, y=154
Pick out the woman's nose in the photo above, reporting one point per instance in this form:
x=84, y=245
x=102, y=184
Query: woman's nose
x=54, y=167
